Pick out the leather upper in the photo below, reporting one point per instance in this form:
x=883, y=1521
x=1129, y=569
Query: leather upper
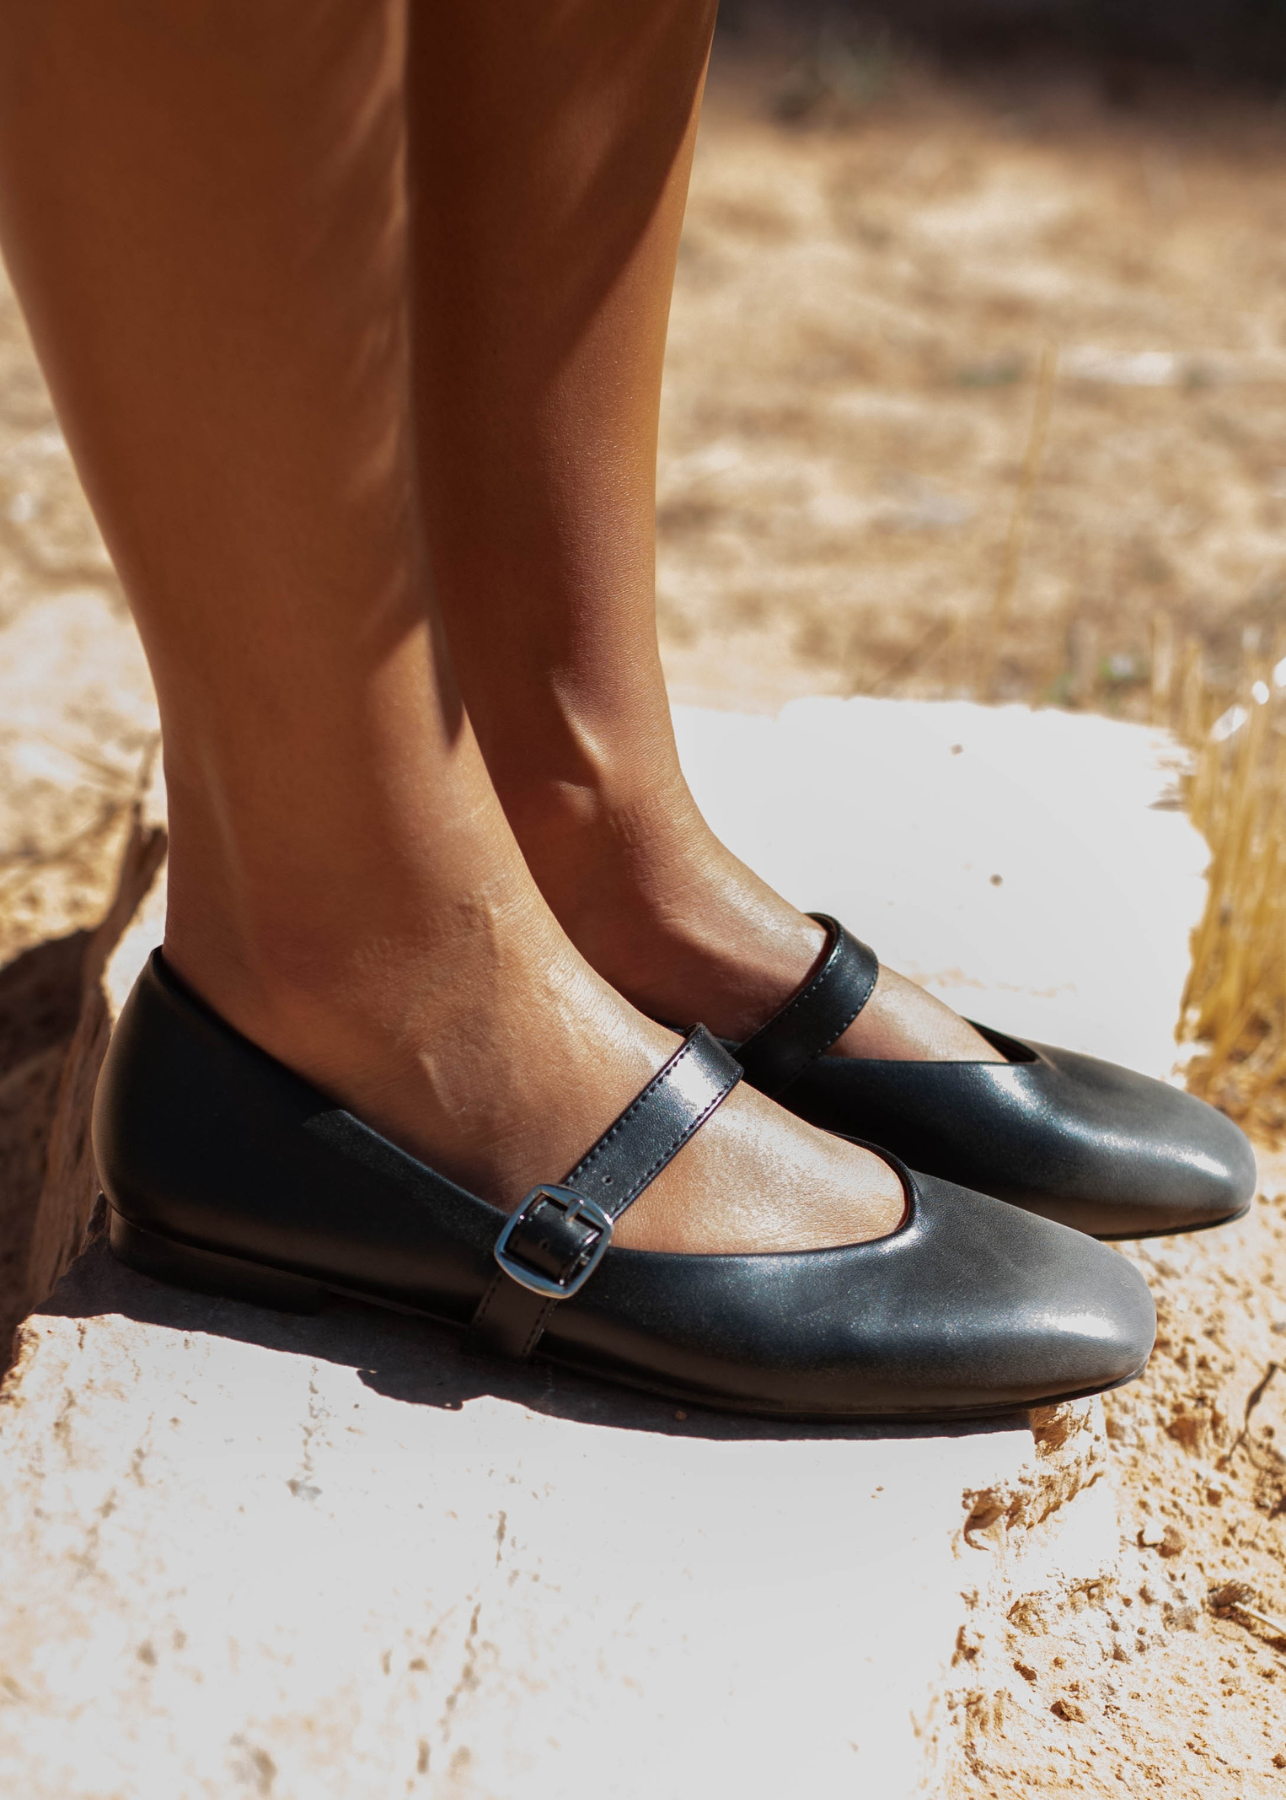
x=971, y=1306
x=1098, y=1147
x=1093, y=1145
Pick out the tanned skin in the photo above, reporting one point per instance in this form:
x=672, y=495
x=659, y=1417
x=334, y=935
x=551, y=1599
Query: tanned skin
x=354, y=320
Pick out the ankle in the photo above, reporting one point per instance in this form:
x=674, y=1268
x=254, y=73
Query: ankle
x=663, y=910
x=359, y=973
x=612, y=863
x=461, y=1046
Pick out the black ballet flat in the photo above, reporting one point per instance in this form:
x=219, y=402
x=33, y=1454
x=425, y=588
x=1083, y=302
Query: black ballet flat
x=1092, y=1145
x=227, y=1173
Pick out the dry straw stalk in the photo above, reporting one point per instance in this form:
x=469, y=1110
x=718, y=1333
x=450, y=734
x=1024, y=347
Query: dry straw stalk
x=1235, y=1003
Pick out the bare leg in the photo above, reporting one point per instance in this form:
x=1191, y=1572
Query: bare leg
x=202, y=206
x=551, y=159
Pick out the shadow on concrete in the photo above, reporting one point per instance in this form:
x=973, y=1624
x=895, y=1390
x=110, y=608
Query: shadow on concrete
x=40, y=1000
x=422, y=1363
x=54, y=1026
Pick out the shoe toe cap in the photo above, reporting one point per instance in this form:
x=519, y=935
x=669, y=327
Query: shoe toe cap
x=1022, y=1307
x=1101, y=1314
x=1191, y=1167
x=1119, y=1154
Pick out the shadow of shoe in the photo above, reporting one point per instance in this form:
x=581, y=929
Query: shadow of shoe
x=421, y=1363
x=54, y=1027
x=40, y=1000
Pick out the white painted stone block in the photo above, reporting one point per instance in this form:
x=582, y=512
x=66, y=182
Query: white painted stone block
x=897, y=815
x=341, y=1551
x=337, y=1559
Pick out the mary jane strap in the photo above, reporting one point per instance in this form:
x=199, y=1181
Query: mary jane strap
x=553, y=1243
x=814, y=1017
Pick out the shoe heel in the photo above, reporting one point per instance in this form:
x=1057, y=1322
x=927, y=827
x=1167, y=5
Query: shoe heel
x=207, y=1272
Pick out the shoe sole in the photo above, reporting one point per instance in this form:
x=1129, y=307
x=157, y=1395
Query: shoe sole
x=232, y=1278
x=1168, y=1231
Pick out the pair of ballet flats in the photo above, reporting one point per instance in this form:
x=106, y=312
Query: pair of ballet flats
x=227, y=1173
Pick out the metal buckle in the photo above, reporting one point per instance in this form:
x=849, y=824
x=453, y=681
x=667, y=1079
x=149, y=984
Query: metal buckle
x=576, y=1209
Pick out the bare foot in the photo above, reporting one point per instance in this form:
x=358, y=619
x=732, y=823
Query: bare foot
x=676, y=923
x=501, y=1058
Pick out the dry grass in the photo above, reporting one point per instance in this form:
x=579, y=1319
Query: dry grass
x=1235, y=1004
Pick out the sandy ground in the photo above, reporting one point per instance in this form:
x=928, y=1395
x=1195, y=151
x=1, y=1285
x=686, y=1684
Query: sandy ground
x=862, y=305
x=1151, y=1683
x=77, y=717
x=864, y=298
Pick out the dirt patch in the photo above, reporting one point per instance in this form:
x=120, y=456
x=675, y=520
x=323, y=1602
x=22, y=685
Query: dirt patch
x=1156, y=1681
x=863, y=301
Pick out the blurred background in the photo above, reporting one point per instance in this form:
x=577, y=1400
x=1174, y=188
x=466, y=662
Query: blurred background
x=977, y=378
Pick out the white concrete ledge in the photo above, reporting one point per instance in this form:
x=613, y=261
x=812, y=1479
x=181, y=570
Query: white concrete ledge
x=247, y=1553
x=242, y=1553
x=899, y=815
